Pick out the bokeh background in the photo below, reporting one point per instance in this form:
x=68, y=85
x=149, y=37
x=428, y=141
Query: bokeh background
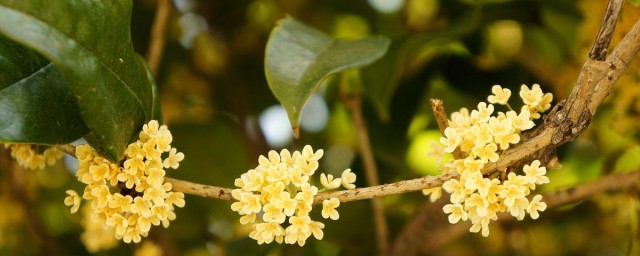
x=218, y=106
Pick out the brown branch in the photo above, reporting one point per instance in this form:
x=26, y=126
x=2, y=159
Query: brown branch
x=443, y=122
x=354, y=104
x=446, y=232
x=607, y=27
x=222, y=193
x=570, y=117
x=68, y=149
x=200, y=189
x=156, y=45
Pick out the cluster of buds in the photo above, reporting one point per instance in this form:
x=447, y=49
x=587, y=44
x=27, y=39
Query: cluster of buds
x=480, y=136
x=29, y=155
x=132, y=196
x=279, y=190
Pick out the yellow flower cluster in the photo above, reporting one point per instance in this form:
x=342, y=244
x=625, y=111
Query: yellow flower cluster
x=133, y=196
x=481, y=136
x=28, y=156
x=279, y=191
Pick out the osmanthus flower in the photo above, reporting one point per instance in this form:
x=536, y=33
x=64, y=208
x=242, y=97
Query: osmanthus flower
x=34, y=157
x=72, y=200
x=279, y=190
x=500, y=95
x=433, y=193
x=348, y=178
x=480, y=137
x=128, y=199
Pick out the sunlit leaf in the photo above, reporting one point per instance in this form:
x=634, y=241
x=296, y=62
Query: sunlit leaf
x=36, y=105
x=89, y=43
x=299, y=57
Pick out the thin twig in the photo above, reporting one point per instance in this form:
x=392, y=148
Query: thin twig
x=443, y=122
x=200, y=189
x=222, y=193
x=156, y=45
x=68, y=149
x=354, y=104
x=607, y=27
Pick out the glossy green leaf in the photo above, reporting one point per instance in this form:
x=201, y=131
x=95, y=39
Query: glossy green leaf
x=299, y=57
x=36, y=105
x=89, y=43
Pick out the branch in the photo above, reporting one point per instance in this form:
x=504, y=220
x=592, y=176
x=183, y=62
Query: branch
x=353, y=102
x=443, y=122
x=200, y=189
x=607, y=27
x=222, y=193
x=570, y=117
x=565, y=122
x=156, y=45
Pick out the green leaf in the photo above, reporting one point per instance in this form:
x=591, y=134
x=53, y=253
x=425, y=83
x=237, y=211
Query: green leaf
x=298, y=58
x=89, y=43
x=35, y=104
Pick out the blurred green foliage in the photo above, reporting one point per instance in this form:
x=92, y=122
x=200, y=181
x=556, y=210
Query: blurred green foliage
x=213, y=93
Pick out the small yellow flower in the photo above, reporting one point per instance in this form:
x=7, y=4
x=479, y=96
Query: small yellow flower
x=456, y=213
x=451, y=140
x=72, y=200
x=173, y=160
x=299, y=224
x=535, y=206
x=348, y=178
x=120, y=201
x=479, y=203
x=269, y=231
x=273, y=213
x=433, y=193
x=487, y=152
x=163, y=141
x=175, y=198
x=101, y=195
x=307, y=192
x=535, y=174
x=531, y=97
x=510, y=194
x=483, y=113
x=140, y=206
x=456, y=189
x=252, y=180
x=481, y=133
x=252, y=203
x=505, y=140
x=248, y=219
x=329, y=208
x=329, y=182
x=155, y=195
x=316, y=229
x=51, y=155
x=133, y=165
x=309, y=155
x=500, y=96
x=286, y=203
